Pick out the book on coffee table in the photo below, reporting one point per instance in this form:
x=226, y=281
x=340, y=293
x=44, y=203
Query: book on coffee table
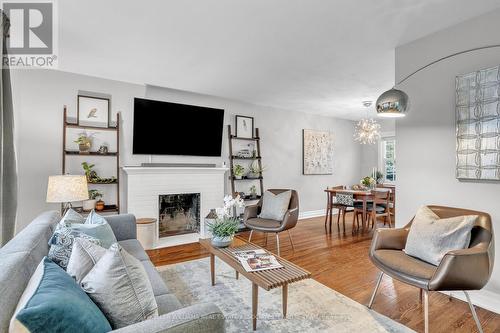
x=257, y=260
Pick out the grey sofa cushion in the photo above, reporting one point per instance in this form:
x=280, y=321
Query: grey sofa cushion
x=430, y=237
x=119, y=285
x=167, y=303
x=134, y=247
x=123, y=226
x=19, y=258
x=159, y=287
x=14, y=277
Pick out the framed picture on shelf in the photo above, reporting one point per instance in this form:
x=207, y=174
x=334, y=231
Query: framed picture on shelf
x=244, y=127
x=93, y=111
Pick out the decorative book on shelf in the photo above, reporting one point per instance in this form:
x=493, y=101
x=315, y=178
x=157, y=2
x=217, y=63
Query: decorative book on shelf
x=96, y=157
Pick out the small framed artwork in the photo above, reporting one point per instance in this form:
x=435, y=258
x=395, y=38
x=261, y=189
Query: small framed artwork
x=93, y=111
x=244, y=127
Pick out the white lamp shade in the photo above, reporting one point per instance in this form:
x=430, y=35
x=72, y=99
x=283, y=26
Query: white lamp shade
x=67, y=188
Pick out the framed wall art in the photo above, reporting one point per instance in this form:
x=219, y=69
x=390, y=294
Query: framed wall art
x=477, y=113
x=244, y=127
x=93, y=111
x=317, y=147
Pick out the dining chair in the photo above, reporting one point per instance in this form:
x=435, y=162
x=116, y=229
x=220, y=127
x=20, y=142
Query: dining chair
x=343, y=205
x=392, y=199
x=378, y=207
x=381, y=207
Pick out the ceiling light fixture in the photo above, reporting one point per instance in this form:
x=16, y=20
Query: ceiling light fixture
x=367, y=130
x=394, y=103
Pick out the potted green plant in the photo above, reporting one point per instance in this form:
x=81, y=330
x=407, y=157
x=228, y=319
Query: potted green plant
x=223, y=230
x=255, y=170
x=91, y=174
x=238, y=171
x=379, y=176
x=253, y=192
x=90, y=204
x=84, y=142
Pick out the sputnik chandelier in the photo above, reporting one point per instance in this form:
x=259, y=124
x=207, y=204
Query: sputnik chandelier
x=367, y=130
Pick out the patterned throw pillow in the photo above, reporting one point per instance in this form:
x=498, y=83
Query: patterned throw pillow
x=345, y=199
x=62, y=244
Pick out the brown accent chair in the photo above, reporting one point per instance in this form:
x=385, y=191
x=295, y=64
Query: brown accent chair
x=466, y=269
x=253, y=222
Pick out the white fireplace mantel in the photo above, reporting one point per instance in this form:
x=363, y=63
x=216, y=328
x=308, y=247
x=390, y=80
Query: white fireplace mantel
x=134, y=170
x=144, y=185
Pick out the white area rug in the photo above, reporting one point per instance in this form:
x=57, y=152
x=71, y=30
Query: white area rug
x=312, y=307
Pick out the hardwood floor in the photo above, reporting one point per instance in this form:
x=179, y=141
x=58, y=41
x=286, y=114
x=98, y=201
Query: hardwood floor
x=340, y=261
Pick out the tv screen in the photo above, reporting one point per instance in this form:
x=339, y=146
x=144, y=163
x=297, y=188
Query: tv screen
x=163, y=128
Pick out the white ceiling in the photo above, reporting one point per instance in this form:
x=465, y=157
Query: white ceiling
x=315, y=56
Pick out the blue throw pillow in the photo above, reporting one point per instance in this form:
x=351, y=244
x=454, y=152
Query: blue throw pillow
x=57, y=304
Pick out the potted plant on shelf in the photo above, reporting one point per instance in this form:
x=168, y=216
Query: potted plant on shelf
x=84, y=142
x=253, y=192
x=90, y=204
x=225, y=224
x=238, y=171
x=379, y=176
x=89, y=173
x=255, y=170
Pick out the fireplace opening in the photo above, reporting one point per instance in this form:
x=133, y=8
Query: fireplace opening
x=179, y=214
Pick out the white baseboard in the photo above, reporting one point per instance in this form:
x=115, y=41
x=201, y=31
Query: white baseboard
x=313, y=213
x=482, y=298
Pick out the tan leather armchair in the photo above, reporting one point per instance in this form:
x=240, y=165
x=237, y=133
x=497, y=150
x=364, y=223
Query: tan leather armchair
x=466, y=269
x=253, y=222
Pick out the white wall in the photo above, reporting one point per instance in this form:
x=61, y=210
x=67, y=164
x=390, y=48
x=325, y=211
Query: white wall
x=426, y=137
x=39, y=96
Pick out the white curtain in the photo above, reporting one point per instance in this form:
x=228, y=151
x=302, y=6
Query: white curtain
x=8, y=171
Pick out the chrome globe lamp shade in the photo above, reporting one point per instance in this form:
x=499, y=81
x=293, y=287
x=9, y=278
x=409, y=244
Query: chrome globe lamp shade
x=393, y=103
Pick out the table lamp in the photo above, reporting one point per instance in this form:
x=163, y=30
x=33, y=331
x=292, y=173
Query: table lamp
x=67, y=189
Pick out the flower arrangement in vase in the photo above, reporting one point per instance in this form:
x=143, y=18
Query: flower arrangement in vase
x=226, y=224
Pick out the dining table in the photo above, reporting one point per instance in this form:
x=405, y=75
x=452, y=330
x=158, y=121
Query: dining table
x=365, y=196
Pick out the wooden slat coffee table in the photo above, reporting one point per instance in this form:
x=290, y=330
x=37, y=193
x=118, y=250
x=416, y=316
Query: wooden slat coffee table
x=267, y=279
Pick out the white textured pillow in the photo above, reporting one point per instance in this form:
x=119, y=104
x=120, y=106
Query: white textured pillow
x=430, y=237
x=84, y=256
x=120, y=287
x=274, y=206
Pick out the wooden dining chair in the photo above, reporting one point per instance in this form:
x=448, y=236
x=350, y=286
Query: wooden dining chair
x=392, y=198
x=380, y=207
x=342, y=208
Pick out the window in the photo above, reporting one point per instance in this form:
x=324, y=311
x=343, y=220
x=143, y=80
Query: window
x=389, y=158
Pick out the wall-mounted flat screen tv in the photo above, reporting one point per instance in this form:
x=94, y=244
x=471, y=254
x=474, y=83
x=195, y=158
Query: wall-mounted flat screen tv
x=164, y=128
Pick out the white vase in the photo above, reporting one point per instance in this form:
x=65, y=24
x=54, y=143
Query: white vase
x=89, y=204
x=222, y=241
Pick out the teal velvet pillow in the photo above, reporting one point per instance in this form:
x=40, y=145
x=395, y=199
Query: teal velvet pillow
x=58, y=304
